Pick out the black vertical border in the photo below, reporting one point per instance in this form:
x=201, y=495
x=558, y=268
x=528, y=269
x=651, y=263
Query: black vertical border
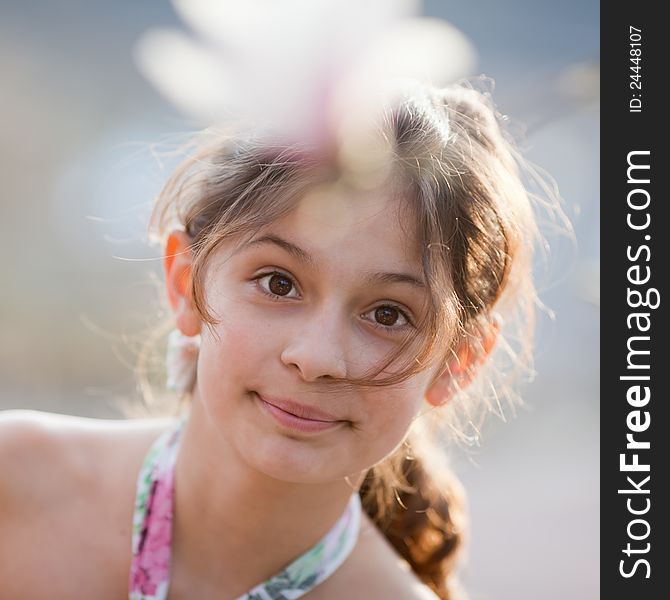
x=623, y=131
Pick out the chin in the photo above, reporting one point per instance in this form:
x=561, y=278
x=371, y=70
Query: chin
x=293, y=461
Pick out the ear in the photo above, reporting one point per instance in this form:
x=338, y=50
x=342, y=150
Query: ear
x=177, y=265
x=461, y=369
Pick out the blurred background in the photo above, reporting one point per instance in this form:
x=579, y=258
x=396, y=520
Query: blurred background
x=79, y=166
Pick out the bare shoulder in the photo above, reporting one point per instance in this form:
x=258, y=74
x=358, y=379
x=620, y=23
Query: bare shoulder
x=67, y=488
x=373, y=570
x=32, y=445
x=44, y=451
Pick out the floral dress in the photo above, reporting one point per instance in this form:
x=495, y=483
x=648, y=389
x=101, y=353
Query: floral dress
x=152, y=536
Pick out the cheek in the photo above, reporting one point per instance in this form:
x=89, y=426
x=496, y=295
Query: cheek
x=389, y=417
x=232, y=351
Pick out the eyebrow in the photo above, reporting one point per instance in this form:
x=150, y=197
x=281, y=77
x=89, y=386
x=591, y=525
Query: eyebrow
x=305, y=258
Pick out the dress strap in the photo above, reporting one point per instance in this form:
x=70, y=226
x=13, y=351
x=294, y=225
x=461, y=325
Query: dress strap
x=152, y=520
x=317, y=564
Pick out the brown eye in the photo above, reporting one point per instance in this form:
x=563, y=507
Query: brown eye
x=387, y=315
x=280, y=284
x=389, y=318
x=277, y=284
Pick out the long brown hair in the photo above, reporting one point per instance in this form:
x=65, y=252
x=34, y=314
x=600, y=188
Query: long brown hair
x=461, y=182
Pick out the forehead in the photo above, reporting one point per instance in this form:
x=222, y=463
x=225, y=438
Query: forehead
x=359, y=226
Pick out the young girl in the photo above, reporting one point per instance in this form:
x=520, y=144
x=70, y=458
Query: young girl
x=329, y=317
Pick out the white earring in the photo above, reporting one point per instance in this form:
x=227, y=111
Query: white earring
x=181, y=361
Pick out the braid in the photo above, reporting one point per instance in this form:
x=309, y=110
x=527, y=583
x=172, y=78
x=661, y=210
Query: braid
x=422, y=519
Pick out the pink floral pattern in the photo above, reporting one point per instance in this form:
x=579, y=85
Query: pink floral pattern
x=152, y=524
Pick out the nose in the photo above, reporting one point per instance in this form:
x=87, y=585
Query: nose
x=317, y=349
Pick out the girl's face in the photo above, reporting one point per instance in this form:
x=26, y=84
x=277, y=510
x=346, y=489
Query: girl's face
x=326, y=292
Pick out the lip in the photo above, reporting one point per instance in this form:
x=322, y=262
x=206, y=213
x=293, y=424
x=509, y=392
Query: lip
x=299, y=417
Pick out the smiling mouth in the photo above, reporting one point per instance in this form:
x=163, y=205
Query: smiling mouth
x=298, y=417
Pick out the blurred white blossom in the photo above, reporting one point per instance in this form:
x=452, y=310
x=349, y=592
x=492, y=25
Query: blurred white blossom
x=304, y=69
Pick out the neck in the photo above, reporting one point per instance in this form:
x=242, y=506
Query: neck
x=235, y=526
